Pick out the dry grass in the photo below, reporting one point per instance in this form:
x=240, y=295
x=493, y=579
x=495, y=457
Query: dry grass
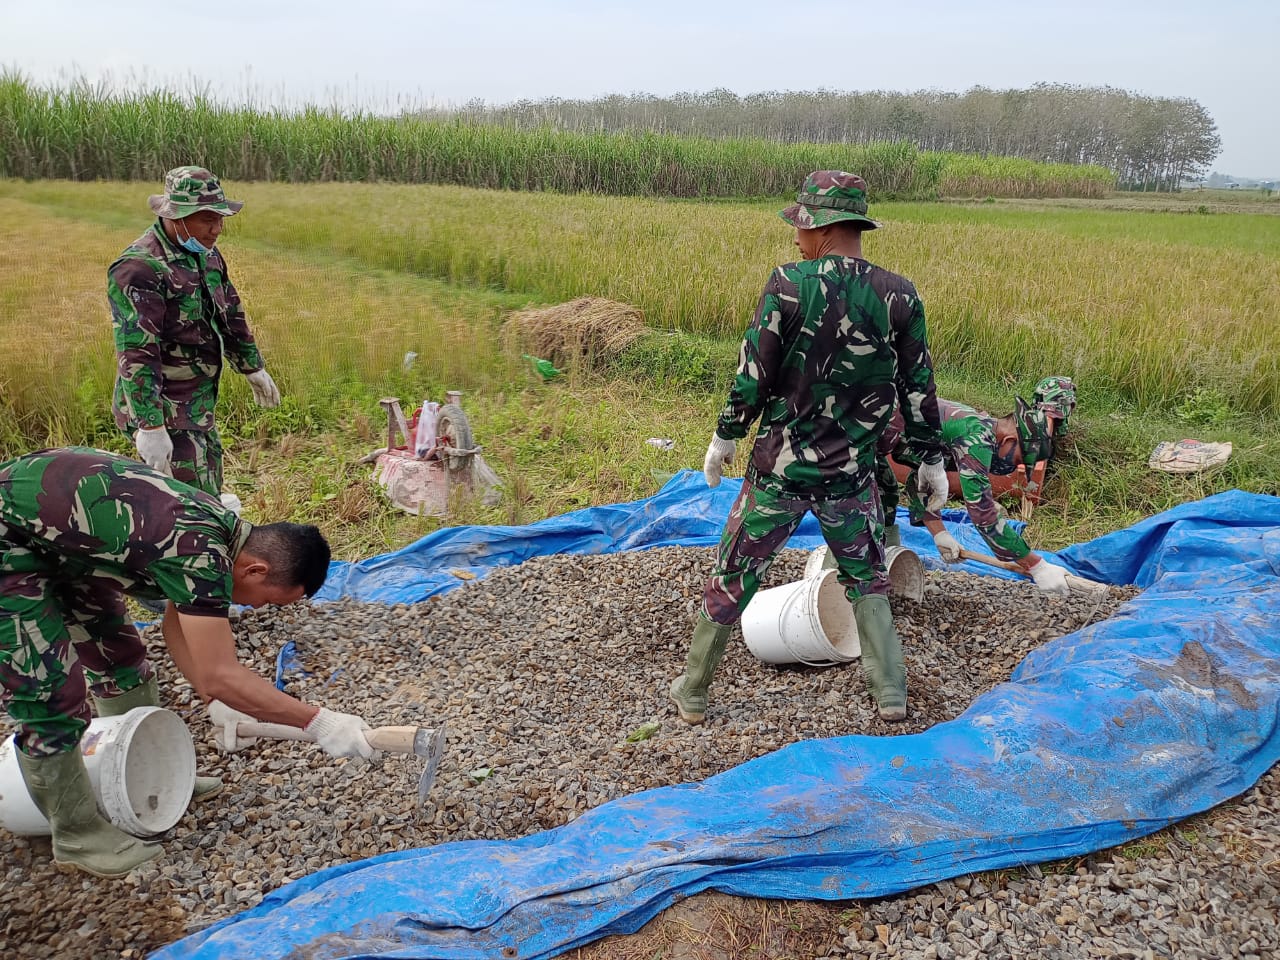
x=716, y=926
x=588, y=329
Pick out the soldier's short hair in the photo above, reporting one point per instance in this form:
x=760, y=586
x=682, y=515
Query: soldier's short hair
x=297, y=554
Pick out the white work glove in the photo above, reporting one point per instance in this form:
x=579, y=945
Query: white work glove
x=1050, y=579
x=719, y=453
x=265, y=391
x=155, y=447
x=948, y=547
x=225, y=720
x=231, y=502
x=340, y=734
x=931, y=484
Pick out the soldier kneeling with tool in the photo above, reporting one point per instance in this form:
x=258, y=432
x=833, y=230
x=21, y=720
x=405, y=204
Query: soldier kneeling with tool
x=80, y=528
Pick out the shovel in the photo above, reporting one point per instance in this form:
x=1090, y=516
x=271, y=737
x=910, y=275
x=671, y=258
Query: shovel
x=1077, y=585
x=419, y=741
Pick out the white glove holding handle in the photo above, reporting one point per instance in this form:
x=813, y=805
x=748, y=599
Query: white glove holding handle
x=265, y=391
x=226, y=721
x=932, y=485
x=719, y=453
x=948, y=546
x=155, y=447
x=1050, y=579
x=340, y=734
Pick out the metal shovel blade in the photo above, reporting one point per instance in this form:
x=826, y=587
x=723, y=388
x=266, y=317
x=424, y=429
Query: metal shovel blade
x=428, y=744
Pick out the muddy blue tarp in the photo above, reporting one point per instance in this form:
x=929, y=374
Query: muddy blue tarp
x=1107, y=734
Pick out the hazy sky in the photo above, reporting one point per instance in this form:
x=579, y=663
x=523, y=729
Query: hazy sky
x=385, y=53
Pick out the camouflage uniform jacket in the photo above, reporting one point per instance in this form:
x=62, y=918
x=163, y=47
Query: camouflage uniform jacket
x=834, y=343
x=93, y=515
x=174, y=318
x=970, y=439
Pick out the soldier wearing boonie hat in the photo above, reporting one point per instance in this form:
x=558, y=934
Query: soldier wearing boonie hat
x=1055, y=397
x=835, y=343
x=176, y=315
x=977, y=446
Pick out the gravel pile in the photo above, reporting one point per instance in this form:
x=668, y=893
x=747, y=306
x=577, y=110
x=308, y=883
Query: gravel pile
x=542, y=671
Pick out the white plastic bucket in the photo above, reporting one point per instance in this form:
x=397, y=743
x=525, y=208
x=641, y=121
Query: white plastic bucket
x=906, y=572
x=142, y=766
x=809, y=621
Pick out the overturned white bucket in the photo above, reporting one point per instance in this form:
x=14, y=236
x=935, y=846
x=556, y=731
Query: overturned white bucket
x=142, y=766
x=906, y=572
x=809, y=621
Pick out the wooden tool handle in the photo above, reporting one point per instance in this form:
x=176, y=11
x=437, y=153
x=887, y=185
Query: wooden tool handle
x=992, y=561
x=1074, y=583
x=272, y=731
x=392, y=739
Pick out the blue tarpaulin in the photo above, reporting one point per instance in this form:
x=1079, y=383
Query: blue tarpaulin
x=1110, y=733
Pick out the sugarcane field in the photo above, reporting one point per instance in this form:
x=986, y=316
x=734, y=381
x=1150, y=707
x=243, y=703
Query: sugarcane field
x=456, y=505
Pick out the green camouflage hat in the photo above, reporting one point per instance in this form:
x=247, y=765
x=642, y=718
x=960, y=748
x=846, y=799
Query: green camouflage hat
x=1056, y=398
x=188, y=190
x=1033, y=434
x=829, y=196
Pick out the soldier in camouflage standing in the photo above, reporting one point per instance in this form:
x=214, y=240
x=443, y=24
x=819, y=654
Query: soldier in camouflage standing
x=176, y=314
x=834, y=343
x=79, y=528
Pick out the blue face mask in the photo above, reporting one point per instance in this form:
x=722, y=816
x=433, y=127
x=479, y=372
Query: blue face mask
x=192, y=245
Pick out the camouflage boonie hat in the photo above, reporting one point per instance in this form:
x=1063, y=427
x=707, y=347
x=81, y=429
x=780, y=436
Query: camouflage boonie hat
x=829, y=196
x=1056, y=398
x=189, y=190
x=1033, y=434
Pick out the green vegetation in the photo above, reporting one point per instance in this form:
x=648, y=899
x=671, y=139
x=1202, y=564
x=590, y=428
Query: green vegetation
x=341, y=281
x=88, y=133
x=1139, y=307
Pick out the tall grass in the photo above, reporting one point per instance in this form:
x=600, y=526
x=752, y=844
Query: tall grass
x=83, y=132
x=1127, y=303
x=325, y=332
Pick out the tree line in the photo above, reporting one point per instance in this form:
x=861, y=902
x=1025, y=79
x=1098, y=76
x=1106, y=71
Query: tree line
x=1149, y=143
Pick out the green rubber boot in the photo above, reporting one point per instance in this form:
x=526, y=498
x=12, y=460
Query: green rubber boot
x=82, y=838
x=882, y=656
x=147, y=694
x=689, y=690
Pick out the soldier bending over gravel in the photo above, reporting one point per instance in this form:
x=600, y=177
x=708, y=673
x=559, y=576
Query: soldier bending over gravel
x=80, y=528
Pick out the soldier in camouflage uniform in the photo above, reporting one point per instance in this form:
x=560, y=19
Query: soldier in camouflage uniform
x=80, y=528
x=176, y=314
x=834, y=344
x=1055, y=397
x=977, y=446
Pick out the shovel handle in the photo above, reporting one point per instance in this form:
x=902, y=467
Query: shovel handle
x=991, y=561
x=392, y=739
x=272, y=731
x=1076, y=584
x=389, y=739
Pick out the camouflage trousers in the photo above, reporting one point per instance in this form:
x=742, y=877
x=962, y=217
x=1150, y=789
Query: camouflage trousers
x=56, y=638
x=197, y=459
x=886, y=479
x=760, y=524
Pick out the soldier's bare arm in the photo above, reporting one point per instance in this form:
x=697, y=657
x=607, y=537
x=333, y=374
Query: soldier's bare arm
x=204, y=650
